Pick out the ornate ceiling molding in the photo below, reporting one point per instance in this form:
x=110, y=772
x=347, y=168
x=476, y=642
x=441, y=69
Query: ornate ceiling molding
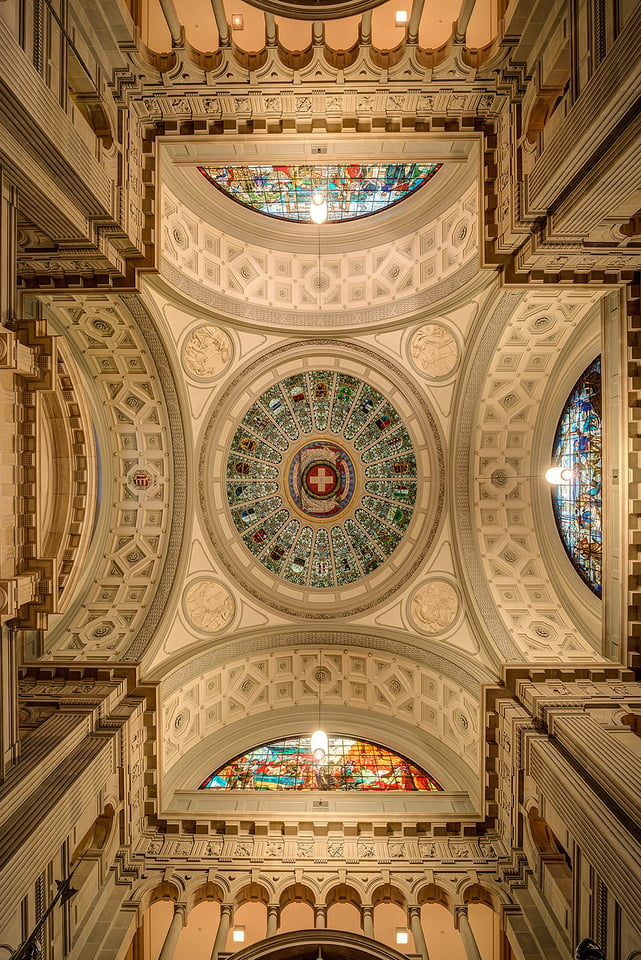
x=419, y=420
x=131, y=571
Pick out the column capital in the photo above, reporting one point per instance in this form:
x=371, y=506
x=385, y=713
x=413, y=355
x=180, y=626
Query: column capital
x=367, y=908
x=413, y=910
x=460, y=910
x=226, y=909
x=180, y=910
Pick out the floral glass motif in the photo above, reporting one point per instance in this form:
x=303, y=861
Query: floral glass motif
x=321, y=479
x=577, y=505
x=351, y=190
x=350, y=764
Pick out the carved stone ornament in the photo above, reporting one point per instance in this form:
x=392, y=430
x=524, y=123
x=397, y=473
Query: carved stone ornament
x=208, y=605
x=207, y=352
x=434, y=607
x=434, y=351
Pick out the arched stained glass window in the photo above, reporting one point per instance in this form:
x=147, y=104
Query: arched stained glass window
x=577, y=504
x=351, y=190
x=350, y=764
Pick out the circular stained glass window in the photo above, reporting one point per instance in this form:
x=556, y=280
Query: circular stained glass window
x=321, y=479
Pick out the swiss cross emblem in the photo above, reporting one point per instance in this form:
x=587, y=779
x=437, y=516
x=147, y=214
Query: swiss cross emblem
x=322, y=479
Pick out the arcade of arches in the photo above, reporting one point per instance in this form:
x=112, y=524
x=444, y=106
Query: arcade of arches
x=262, y=475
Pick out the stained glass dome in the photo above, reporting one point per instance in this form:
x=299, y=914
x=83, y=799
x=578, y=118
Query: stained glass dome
x=350, y=764
x=321, y=479
x=577, y=505
x=352, y=190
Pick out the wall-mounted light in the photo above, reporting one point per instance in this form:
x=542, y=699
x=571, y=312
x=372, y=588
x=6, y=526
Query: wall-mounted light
x=238, y=934
x=237, y=21
x=402, y=936
x=401, y=17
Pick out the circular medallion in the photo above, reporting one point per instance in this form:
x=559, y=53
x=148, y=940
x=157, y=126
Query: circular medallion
x=434, y=351
x=321, y=479
x=206, y=352
x=208, y=604
x=434, y=606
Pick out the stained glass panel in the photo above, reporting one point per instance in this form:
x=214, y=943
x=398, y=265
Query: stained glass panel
x=577, y=505
x=350, y=764
x=352, y=190
x=301, y=453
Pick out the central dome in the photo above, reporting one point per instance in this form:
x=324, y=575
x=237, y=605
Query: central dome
x=321, y=479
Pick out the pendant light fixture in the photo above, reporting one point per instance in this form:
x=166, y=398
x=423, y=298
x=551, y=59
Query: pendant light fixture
x=318, y=207
x=320, y=743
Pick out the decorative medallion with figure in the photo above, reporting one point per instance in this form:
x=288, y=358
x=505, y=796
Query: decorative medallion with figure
x=321, y=479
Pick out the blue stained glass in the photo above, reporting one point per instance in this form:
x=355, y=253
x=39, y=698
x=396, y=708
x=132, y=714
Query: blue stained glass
x=577, y=505
x=352, y=190
x=350, y=764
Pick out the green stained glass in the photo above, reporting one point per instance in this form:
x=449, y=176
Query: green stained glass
x=295, y=475
x=241, y=492
x=246, y=442
x=351, y=190
x=384, y=419
x=399, y=492
x=367, y=402
x=245, y=469
x=298, y=394
x=350, y=764
x=261, y=534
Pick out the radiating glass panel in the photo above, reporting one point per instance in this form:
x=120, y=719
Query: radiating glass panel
x=352, y=190
x=577, y=505
x=301, y=453
x=350, y=764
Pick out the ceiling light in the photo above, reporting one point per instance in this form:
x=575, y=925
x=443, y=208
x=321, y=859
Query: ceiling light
x=402, y=935
x=237, y=21
x=320, y=745
x=401, y=17
x=558, y=475
x=238, y=935
x=318, y=207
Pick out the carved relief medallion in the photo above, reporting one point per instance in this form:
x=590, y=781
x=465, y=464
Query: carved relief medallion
x=434, y=351
x=208, y=604
x=207, y=352
x=434, y=607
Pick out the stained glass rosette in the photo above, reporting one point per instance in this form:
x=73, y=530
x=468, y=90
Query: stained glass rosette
x=350, y=764
x=351, y=190
x=577, y=505
x=321, y=479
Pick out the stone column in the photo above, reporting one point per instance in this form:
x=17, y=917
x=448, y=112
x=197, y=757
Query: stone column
x=414, y=916
x=367, y=914
x=273, y=914
x=226, y=910
x=320, y=916
x=173, y=934
x=463, y=924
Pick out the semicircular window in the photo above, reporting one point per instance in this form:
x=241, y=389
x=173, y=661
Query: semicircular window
x=577, y=504
x=351, y=190
x=350, y=764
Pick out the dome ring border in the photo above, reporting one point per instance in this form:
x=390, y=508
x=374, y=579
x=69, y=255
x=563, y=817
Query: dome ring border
x=329, y=351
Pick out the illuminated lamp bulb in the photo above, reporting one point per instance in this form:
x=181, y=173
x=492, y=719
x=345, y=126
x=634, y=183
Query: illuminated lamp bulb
x=558, y=475
x=320, y=745
x=318, y=207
